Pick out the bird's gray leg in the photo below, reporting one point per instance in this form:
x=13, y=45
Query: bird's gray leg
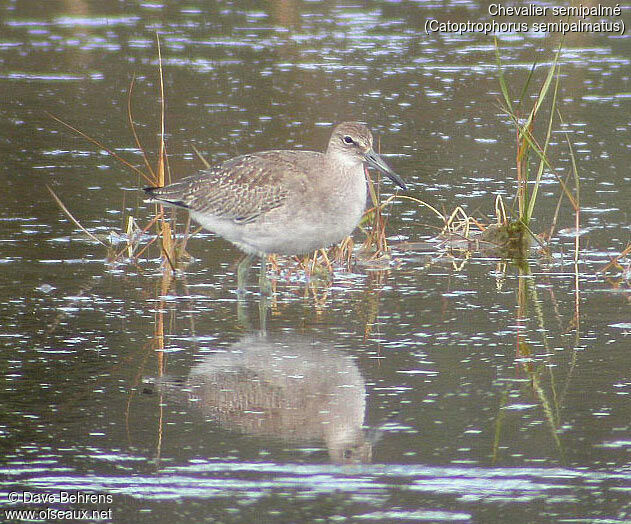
x=264, y=284
x=243, y=319
x=263, y=309
x=242, y=272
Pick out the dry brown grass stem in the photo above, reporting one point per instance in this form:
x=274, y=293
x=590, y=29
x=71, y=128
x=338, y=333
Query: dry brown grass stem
x=71, y=217
x=615, y=261
x=101, y=146
x=155, y=177
x=133, y=130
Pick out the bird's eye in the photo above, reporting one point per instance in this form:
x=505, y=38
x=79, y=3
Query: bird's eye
x=348, y=140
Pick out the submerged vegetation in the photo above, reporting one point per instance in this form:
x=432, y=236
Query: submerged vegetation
x=172, y=236
x=508, y=235
x=531, y=149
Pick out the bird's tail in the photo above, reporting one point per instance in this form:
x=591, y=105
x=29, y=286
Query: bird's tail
x=163, y=196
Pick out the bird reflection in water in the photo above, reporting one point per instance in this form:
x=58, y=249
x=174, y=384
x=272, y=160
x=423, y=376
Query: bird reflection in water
x=290, y=388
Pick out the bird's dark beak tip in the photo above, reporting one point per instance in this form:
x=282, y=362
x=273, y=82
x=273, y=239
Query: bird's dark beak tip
x=396, y=179
x=377, y=162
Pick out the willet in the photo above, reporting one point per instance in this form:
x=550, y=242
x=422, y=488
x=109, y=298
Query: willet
x=284, y=202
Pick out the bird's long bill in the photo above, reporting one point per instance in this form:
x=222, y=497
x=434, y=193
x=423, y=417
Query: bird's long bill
x=374, y=160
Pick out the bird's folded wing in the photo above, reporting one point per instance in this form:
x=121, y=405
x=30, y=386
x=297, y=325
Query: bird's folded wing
x=241, y=189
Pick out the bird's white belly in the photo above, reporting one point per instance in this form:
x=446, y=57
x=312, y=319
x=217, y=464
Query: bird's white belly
x=293, y=230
